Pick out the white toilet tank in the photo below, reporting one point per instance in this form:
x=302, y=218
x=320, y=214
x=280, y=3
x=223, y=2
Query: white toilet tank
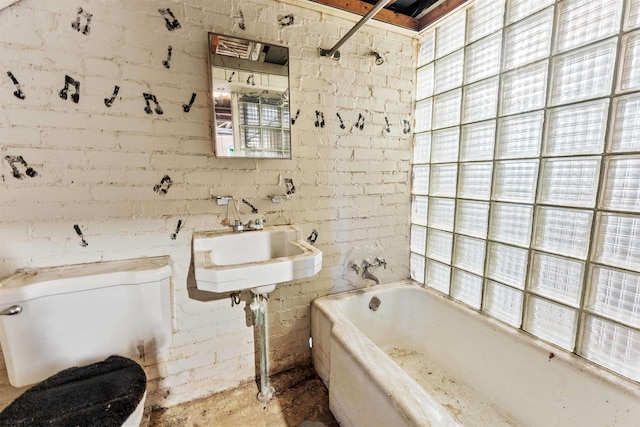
x=79, y=314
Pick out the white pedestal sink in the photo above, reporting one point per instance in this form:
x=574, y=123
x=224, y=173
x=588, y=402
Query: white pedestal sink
x=230, y=261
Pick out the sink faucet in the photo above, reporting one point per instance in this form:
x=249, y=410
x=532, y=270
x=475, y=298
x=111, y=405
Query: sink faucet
x=252, y=224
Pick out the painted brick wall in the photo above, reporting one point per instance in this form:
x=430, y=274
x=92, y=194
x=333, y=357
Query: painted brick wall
x=95, y=166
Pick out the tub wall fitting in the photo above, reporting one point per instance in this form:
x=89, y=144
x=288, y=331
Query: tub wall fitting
x=128, y=178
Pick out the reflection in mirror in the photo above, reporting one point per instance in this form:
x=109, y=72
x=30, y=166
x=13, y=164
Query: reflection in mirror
x=250, y=89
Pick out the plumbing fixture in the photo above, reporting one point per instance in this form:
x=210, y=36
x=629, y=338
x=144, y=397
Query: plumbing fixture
x=355, y=267
x=366, y=274
x=333, y=52
x=223, y=200
x=258, y=314
x=11, y=311
x=379, y=58
x=374, y=304
x=235, y=298
x=366, y=265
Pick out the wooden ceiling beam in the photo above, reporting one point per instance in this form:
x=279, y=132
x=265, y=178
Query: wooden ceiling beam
x=362, y=8
x=438, y=12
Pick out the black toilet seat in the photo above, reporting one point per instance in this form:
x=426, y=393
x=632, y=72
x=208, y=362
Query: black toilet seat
x=103, y=394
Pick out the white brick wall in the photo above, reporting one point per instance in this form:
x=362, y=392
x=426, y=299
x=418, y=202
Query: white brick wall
x=97, y=166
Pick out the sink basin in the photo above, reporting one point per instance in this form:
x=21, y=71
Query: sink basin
x=229, y=261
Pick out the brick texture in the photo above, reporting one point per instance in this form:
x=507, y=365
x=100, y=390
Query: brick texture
x=97, y=166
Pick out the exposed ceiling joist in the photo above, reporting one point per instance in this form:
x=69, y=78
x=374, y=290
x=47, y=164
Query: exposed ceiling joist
x=362, y=8
x=423, y=12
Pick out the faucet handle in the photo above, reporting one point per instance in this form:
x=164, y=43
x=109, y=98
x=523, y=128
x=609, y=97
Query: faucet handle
x=355, y=267
x=381, y=262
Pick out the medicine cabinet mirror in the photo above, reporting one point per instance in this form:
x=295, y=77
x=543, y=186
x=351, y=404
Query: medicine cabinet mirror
x=250, y=90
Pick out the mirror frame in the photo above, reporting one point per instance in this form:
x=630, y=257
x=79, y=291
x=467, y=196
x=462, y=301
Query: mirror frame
x=222, y=62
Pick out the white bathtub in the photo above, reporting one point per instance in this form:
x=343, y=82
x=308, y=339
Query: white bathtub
x=422, y=360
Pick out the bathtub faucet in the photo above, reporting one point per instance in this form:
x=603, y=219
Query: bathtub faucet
x=366, y=265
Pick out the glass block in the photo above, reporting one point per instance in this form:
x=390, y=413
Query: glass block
x=469, y=254
x=477, y=141
x=438, y=276
x=483, y=58
x=416, y=267
x=503, y=303
x=552, y=322
x=618, y=241
x=475, y=180
x=450, y=34
x=577, y=129
x=515, y=180
x=446, y=109
x=472, y=218
x=511, y=223
x=480, y=100
x=449, y=71
x=467, y=287
x=557, y=278
x=524, y=89
x=439, y=245
x=613, y=346
x=443, y=180
x=418, y=239
x=419, y=209
x=570, y=181
x=630, y=67
x=625, y=132
x=422, y=148
x=528, y=40
x=427, y=50
x=632, y=15
x=485, y=17
x=444, y=145
x=425, y=81
x=563, y=231
x=441, y=213
x=423, y=113
x=520, y=136
x=615, y=294
x=519, y=9
x=584, y=73
x=581, y=22
x=420, y=179
x=507, y=264
x=622, y=184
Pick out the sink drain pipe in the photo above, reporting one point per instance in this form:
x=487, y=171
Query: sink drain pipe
x=258, y=316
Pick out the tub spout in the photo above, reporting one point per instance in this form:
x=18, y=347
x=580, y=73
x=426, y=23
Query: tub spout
x=366, y=274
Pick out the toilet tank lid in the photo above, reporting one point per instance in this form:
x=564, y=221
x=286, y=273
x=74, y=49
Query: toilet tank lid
x=43, y=282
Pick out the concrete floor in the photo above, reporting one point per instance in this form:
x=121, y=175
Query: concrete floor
x=301, y=400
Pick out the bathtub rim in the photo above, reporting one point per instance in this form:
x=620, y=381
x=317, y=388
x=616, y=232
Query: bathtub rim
x=580, y=363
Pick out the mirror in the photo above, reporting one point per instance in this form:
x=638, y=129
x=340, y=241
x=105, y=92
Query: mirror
x=250, y=90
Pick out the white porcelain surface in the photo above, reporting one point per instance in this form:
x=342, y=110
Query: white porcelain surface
x=393, y=360
x=231, y=261
x=80, y=314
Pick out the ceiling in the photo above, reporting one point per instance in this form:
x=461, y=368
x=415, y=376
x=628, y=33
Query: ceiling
x=412, y=14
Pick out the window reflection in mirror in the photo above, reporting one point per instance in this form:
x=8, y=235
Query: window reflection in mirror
x=250, y=89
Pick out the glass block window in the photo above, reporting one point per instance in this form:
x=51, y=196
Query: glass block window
x=526, y=170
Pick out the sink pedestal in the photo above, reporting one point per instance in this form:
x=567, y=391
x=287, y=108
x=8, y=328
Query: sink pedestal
x=258, y=316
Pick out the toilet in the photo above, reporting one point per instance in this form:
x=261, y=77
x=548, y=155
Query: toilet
x=73, y=332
